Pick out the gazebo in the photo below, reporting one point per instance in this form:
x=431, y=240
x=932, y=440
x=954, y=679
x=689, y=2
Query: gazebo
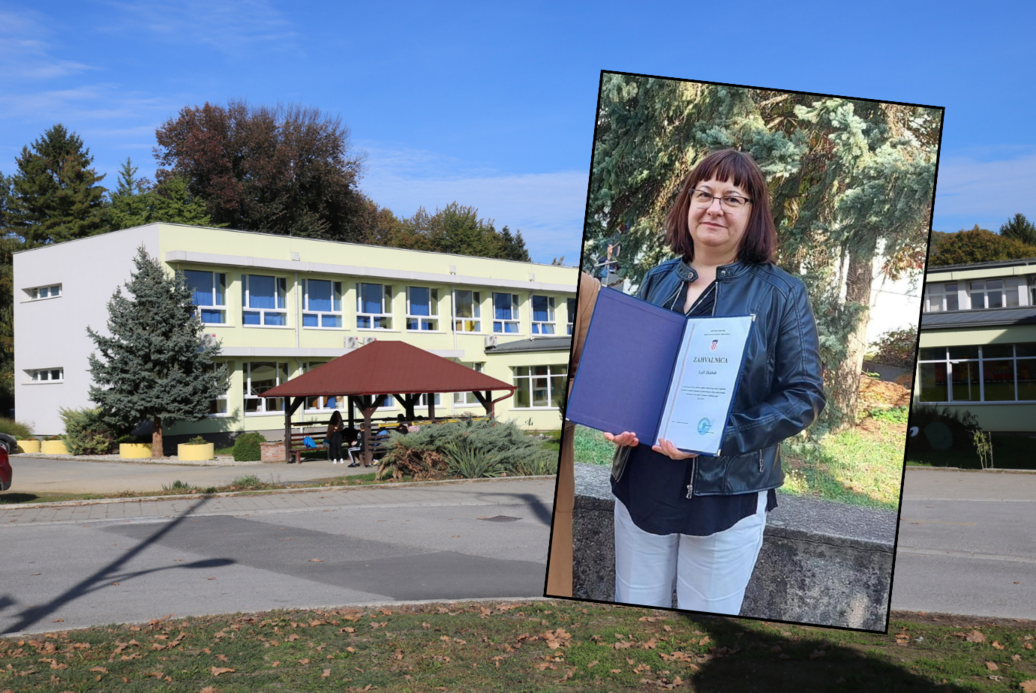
x=385, y=368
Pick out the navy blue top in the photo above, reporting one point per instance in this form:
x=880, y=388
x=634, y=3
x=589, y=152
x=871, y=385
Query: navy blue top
x=653, y=487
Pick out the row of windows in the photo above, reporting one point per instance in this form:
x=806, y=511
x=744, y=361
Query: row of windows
x=979, y=295
x=990, y=373
x=39, y=292
x=537, y=387
x=264, y=302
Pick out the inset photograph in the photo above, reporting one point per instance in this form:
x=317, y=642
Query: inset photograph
x=743, y=351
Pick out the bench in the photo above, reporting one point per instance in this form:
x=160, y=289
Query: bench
x=297, y=447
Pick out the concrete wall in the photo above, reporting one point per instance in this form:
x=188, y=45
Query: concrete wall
x=821, y=563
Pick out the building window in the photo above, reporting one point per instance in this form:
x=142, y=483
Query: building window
x=467, y=397
x=264, y=300
x=542, y=315
x=47, y=375
x=467, y=311
x=570, y=308
x=505, y=313
x=422, y=402
x=219, y=406
x=259, y=377
x=539, y=387
x=321, y=303
x=940, y=298
x=422, y=308
x=373, y=307
x=52, y=291
x=1032, y=290
x=316, y=404
x=209, y=294
x=990, y=373
x=991, y=294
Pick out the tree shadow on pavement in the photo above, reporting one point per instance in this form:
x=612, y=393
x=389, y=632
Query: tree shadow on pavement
x=104, y=576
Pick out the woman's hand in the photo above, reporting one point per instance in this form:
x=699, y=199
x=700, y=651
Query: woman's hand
x=626, y=438
x=666, y=448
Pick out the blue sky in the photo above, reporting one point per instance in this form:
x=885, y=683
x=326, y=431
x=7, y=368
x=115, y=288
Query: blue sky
x=493, y=106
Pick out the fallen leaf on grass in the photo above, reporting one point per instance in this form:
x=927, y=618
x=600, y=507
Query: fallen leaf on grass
x=222, y=658
x=275, y=664
x=327, y=672
x=591, y=665
x=293, y=637
x=997, y=645
x=99, y=669
x=208, y=689
x=544, y=665
x=1016, y=657
x=1027, y=645
x=975, y=636
x=350, y=650
x=216, y=671
x=991, y=666
x=1028, y=686
x=303, y=661
x=817, y=653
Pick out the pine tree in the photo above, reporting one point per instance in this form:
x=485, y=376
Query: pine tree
x=135, y=202
x=56, y=195
x=1020, y=229
x=151, y=368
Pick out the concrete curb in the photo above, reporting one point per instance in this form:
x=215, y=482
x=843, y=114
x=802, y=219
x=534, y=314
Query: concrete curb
x=304, y=489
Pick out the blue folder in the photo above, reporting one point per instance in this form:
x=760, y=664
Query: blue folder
x=627, y=365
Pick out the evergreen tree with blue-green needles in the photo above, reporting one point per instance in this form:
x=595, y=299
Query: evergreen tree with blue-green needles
x=152, y=366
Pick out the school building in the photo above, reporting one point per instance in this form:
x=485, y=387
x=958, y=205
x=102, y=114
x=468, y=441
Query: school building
x=977, y=349
x=280, y=306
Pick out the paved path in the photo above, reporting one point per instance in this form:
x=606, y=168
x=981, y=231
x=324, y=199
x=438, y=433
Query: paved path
x=967, y=544
x=103, y=562
x=66, y=475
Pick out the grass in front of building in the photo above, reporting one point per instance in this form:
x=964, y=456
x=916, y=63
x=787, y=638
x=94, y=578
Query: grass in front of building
x=862, y=465
x=518, y=646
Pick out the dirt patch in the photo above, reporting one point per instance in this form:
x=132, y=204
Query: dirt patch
x=879, y=393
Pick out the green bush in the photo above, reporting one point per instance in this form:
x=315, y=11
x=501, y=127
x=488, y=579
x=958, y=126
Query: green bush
x=196, y=440
x=897, y=348
x=86, y=432
x=14, y=428
x=502, y=447
x=246, y=447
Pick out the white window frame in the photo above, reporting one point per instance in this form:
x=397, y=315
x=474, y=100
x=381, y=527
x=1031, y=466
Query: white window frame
x=341, y=402
x=52, y=291
x=280, y=295
x=373, y=318
x=432, y=319
x=949, y=362
x=938, y=298
x=1032, y=289
x=40, y=376
x=221, y=307
x=334, y=313
x=472, y=323
x=499, y=324
x=246, y=376
x=557, y=375
x=225, y=397
x=543, y=327
x=1008, y=299
x=467, y=398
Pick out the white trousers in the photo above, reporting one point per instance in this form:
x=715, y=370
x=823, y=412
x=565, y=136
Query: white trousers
x=711, y=573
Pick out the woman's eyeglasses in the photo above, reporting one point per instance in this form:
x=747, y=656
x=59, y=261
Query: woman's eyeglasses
x=731, y=202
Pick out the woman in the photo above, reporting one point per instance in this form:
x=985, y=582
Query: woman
x=334, y=438
x=700, y=521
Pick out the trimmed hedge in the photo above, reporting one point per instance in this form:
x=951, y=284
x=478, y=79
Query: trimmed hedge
x=246, y=447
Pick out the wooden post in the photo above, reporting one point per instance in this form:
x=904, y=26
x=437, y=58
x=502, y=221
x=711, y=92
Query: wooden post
x=368, y=407
x=352, y=411
x=431, y=407
x=288, y=411
x=486, y=400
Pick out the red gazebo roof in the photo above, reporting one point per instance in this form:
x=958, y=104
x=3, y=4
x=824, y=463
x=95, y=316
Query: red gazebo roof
x=387, y=368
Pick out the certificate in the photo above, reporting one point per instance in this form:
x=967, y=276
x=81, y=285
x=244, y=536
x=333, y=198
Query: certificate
x=658, y=373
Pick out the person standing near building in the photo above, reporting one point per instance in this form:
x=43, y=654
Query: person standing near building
x=334, y=437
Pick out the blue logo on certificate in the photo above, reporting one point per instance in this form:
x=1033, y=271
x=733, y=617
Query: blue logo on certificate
x=704, y=426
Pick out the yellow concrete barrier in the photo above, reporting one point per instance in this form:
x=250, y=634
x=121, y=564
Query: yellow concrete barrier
x=134, y=451
x=53, y=447
x=195, y=453
x=29, y=445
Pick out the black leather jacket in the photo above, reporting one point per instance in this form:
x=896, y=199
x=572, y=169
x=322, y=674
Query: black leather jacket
x=781, y=391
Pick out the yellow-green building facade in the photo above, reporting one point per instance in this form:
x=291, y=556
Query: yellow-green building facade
x=279, y=306
x=977, y=343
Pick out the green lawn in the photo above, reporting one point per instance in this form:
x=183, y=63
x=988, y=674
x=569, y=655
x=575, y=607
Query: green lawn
x=861, y=466
x=514, y=647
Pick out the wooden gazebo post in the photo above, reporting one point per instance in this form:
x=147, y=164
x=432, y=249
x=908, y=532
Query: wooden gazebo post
x=288, y=411
x=486, y=400
x=367, y=408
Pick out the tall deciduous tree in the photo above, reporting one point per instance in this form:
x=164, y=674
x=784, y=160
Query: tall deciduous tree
x=151, y=367
x=1020, y=229
x=56, y=195
x=286, y=170
x=458, y=229
x=979, y=245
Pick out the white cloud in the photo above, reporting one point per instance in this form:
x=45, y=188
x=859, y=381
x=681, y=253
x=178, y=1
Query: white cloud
x=226, y=25
x=547, y=207
x=972, y=188
x=25, y=55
